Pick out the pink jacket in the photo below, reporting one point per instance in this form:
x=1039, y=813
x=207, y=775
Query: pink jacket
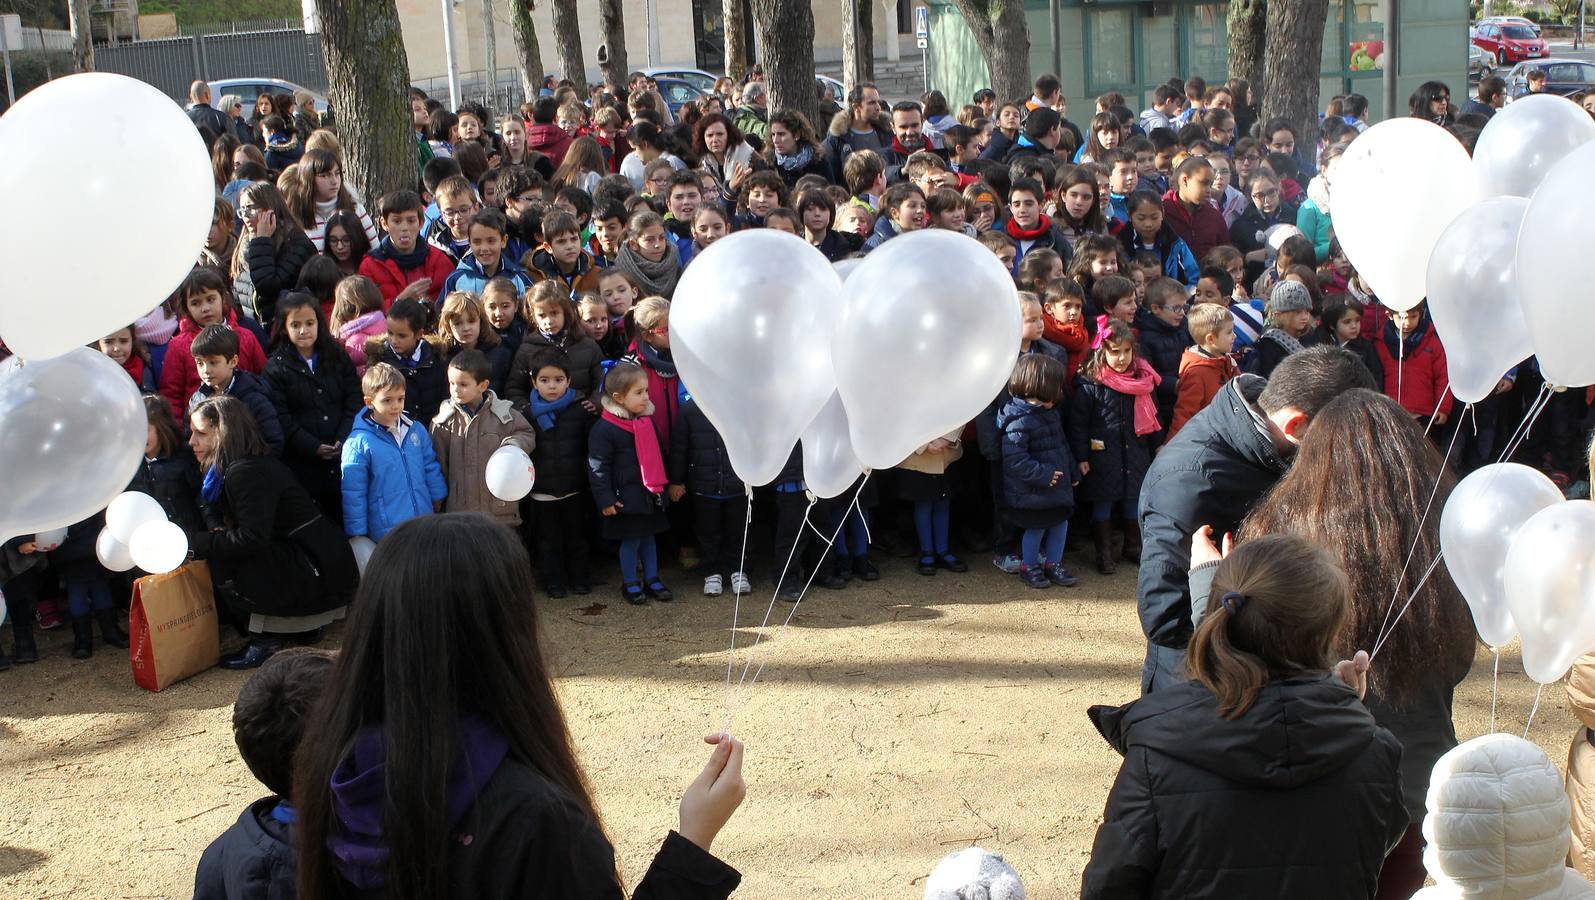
x=354, y=333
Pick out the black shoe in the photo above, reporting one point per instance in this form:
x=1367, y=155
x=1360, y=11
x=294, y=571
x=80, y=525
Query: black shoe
x=308, y=638
x=556, y=592
x=256, y=652
x=24, y=651
x=831, y=582
x=657, y=590
x=927, y=564
x=952, y=563
x=791, y=593
x=844, y=568
x=82, y=638
x=111, y=629
x=865, y=570
x=5, y=661
x=633, y=594
x=581, y=588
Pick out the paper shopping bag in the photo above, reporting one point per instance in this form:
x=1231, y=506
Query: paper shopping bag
x=172, y=624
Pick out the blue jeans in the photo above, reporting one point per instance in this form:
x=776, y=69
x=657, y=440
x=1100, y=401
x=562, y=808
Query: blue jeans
x=932, y=520
x=1102, y=511
x=79, y=595
x=630, y=551
x=1048, y=540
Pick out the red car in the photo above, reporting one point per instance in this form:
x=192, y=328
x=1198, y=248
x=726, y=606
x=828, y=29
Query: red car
x=1509, y=43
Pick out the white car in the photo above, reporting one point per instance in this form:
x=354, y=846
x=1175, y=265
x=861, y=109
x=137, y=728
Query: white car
x=248, y=89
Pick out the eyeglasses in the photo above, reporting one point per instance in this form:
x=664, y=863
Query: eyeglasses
x=524, y=198
x=248, y=210
x=1266, y=195
x=457, y=212
x=340, y=240
x=1248, y=157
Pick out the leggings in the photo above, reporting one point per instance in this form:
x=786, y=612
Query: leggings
x=931, y=523
x=1102, y=511
x=853, y=538
x=633, y=548
x=80, y=594
x=1050, y=540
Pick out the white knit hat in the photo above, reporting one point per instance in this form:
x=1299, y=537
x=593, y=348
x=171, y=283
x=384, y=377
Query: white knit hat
x=973, y=874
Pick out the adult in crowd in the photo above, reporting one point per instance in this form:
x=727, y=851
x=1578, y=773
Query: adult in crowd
x=280, y=567
x=752, y=118
x=1353, y=490
x=441, y=688
x=649, y=143
x=1432, y=101
x=859, y=127
x=211, y=121
x=1215, y=469
x=1492, y=96
x=793, y=150
x=722, y=152
x=232, y=106
x=908, y=137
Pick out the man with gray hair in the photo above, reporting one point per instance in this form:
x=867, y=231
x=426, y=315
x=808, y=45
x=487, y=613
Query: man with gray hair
x=752, y=116
x=205, y=117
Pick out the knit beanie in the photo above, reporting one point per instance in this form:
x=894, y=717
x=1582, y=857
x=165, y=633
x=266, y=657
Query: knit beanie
x=1039, y=122
x=973, y=874
x=155, y=327
x=1289, y=296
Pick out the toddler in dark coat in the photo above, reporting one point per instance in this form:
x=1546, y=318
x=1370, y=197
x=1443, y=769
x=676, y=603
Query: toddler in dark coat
x=1038, y=471
x=627, y=473
x=700, y=465
x=1112, y=417
x=561, y=511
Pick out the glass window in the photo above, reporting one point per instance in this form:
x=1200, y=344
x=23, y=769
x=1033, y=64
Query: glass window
x=1110, y=55
x=1160, y=40
x=1209, y=43
x=1329, y=61
x=1365, y=34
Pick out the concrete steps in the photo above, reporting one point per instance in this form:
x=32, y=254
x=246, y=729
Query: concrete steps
x=900, y=80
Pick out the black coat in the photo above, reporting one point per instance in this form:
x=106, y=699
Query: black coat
x=1221, y=462
x=499, y=358
x=839, y=245
x=1265, y=357
x=284, y=557
x=426, y=381
x=75, y=559
x=313, y=408
x=1246, y=232
x=560, y=456
x=510, y=338
x=252, y=860
x=1100, y=415
x=584, y=361
x=255, y=393
x=988, y=437
x=698, y=457
x=174, y=482
x=1362, y=347
x=820, y=165
x=1163, y=344
x=1299, y=797
x=1033, y=448
x=274, y=270
x=614, y=473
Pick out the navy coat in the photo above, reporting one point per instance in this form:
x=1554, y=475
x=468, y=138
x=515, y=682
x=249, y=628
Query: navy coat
x=613, y=471
x=1163, y=344
x=1099, y=415
x=313, y=408
x=1033, y=448
x=698, y=457
x=252, y=860
x=560, y=457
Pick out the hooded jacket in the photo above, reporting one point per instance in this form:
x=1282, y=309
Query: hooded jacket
x=274, y=269
x=1033, y=448
x=884, y=231
x=613, y=469
x=988, y=437
x=1201, y=378
x=1178, y=261
x=539, y=265
x=463, y=442
x=1299, y=797
x=1415, y=369
x=1313, y=217
x=252, y=860
x=1201, y=229
x=179, y=375
x=469, y=276
x=1101, y=429
x=560, y=457
x=583, y=359
x=357, y=331
x=840, y=140
x=255, y=393
x=548, y=139
x=698, y=457
x=386, y=483
x=426, y=376
x=314, y=408
x=1164, y=346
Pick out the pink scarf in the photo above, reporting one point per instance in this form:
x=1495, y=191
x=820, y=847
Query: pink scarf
x=647, y=444
x=1138, y=383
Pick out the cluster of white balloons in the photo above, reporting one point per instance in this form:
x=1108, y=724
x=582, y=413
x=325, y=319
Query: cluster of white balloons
x=1495, y=242
x=137, y=533
x=777, y=348
x=74, y=425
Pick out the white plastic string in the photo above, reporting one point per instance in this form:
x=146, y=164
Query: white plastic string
x=1532, y=710
x=1385, y=634
x=1441, y=402
x=1495, y=687
x=736, y=606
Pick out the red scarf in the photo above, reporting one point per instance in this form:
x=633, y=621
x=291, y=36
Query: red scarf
x=649, y=458
x=897, y=146
x=1072, y=338
x=1138, y=383
x=1020, y=234
x=135, y=368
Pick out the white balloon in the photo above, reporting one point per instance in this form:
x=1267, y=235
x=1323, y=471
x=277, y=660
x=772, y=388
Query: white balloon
x=129, y=512
x=1550, y=575
x=363, y=547
x=509, y=473
x=112, y=553
x=750, y=329
x=928, y=336
x=152, y=199
x=50, y=540
x=1525, y=140
x=829, y=465
x=1483, y=514
x=1552, y=247
x=1398, y=186
x=844, y=267
x=1473, y=295
x=158, y=547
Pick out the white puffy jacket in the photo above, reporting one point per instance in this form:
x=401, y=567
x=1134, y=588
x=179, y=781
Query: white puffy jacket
x=1498, y=825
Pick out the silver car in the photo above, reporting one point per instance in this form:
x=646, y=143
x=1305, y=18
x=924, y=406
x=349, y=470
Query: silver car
x=248, y=89
x=1479, y=62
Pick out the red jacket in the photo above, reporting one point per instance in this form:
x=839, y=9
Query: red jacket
x=390, y=279
x=1202, y=230
x=180, y=377
x=1418, y=378
x=549, y=140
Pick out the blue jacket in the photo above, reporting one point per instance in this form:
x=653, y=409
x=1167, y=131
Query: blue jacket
x=883, y=232
x=1033, y=447
x=469, y=277
x=383, y=483
x=1179, y=263
x=988, y=437
x=255, y=394
x=252, y=859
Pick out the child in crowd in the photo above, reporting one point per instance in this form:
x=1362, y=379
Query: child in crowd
x=503, y=303
x=620, y=292
x=1149, y=233
x=463, y=326
x=169, y=472
x=557, y=329
x=683, y=197
x=255, y=856
x=88, y=588
x=1003, y=247
x=357, y=317
x=783, y=219
x=1028, y=226
x=609, y=233
x=21, y=579
x=1341, y=326
x=1079, y=210
x=1205, y=367
x=1164, y=339
x=1290, y=318
x=124, y=347
x=473, y=424
x=1064, y=324
x=204, y=299
x=649, y=256
x=1229, y=259
x=1414, y=364
x=626, y=470
x=903, y=211
x=922, y=480
x=1217, y=288
x=1096, y=256
x=390, y=471
x=761, y=192
x=1115, y=296
x=457, y=207
x=215, y=351
x=271, y=252
x=1039, y=268
x=403, y=266
x=1111, y=419
x=594, y=315
x=489, y=235
x=699, y=465
x=319, y=278
x=651, y=351
x=562, y=513
x=317, y=396
x=710, y=225
x=1038, y=471
x=404, y=348
x=561, y=258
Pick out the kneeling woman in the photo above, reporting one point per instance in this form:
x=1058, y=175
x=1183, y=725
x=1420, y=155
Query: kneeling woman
x=272, y=553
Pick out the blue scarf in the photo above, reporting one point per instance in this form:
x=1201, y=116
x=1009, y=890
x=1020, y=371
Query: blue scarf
x=211, y=488
x=543, y=411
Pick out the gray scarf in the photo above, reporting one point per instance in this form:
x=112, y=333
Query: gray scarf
x=1290, y=344
x=656, y=278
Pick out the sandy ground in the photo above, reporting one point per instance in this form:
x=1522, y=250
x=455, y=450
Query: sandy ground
x=890, y=726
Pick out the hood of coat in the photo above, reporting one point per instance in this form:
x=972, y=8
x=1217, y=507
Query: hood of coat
x=842, y=123
x=620, y=412
x=1194, y=359
x=1301, y=729
x=500, y=409
x=1498, y=821
x=1318, y=193
x=1018, y=408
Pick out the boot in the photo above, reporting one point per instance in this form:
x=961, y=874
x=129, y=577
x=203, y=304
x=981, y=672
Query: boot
x=82, y=638
x=1104, y=538
x=23, y=649
x=111, y=629
x=1132, y=541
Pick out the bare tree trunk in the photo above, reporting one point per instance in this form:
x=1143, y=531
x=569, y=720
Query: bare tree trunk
x=531, y=56
x=83, y=37
x=490, y=55
x=786, y=31
x=1004, y=38
x=1247, y=21
x=734, y=13
x=368, y=76
x=1294, y=41
x=858, y=45
x=568, y=41
x=612, y=52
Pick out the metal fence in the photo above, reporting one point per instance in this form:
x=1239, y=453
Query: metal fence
x=171, y=64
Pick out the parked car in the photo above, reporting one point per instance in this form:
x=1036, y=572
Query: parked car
x=838, y=92
x=677, y=92
x=1513, y=20
x=1509, y=43
x=1562, y=76
x=248, y=89
x=1479, y=62
x=698, y=78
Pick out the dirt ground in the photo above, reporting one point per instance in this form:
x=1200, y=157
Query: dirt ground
x=891, y=725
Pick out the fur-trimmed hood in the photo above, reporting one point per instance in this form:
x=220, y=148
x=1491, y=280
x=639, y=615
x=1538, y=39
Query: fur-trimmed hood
x=619, y=412
x=842, y=122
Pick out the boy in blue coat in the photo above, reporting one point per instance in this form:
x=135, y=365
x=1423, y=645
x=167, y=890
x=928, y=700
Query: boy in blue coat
x=215, y=352
x=488, y=234
x=390, y=472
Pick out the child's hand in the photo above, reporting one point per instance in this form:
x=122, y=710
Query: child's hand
x=613, y=508
x=27, y=547
x=1203, y=550
x=1056, y=477
x=1439, y=418
x=265, y=223
x=715, y=794
x=937, y=446
x=327, y=451
x=1354, y=672
x=677, y=491
x=588, y=405
x=1085, y=469
x=420, y=289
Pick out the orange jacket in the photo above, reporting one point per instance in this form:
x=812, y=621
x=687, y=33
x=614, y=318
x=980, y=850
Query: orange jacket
x=1201, y=378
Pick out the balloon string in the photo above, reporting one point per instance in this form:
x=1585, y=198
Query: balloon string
x=1384, y=638
x=1527, y=425
x=1495, y=686
x=736, y=604
x=775, y=591
x=1532, y=710
x=1437, y=405
x=1417, y=538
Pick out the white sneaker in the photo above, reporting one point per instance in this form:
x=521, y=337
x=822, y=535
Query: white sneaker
x=740, y=584
x=711, y=586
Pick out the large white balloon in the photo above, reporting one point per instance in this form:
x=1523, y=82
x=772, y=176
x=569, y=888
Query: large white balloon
x=72, y=433
x=362, y=547
x=159, y=547
x=112, y=553
x=1398, y=186
x=1473, y=296
x=829, y=465
x=1525, y=140
x=114, y=154
x=49, y=540
x=130, y=511
x=928, y=336
x=509, y=473
x=750, y=329
x=1552, y=248
x=1483, y=514
x=1551, y=571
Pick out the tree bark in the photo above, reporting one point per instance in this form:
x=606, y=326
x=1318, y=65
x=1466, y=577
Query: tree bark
x=786, y=32
x=1004, y=38
x=1294, y=42
x=489, y=54
x=368, y=79
x=531, y=56
x=568, y=41
x=1247, y=21
x=858, y=45
x=82, y=36
x=612, y=52
x=735, y=24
